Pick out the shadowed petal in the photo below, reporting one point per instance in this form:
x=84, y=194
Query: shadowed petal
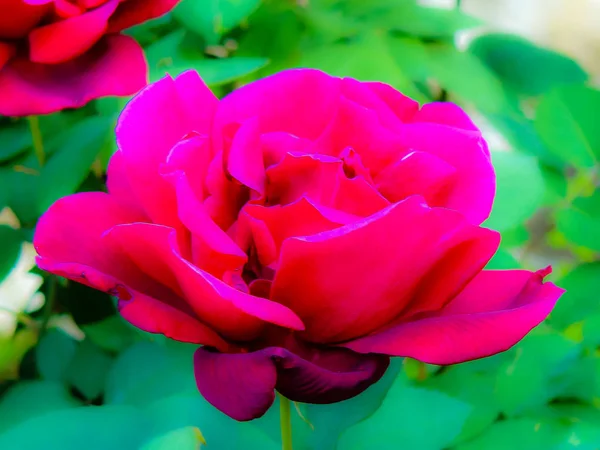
x=352, y=280
x=132, y=12
x=66, y=39
x=114, y=66
x=18, y=17
x=242, y=384
x=494, y=312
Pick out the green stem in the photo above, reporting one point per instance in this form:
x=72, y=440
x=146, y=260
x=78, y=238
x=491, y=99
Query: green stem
x=458, y=4
x=285, y=419
x=36, y=138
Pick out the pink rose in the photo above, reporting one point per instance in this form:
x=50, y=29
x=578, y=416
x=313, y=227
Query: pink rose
x=303, y=229
x=57, y=54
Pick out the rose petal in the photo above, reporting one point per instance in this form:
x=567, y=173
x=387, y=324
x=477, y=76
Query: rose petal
x=132, y=12
x=7, y=51
x=244, y=158
x=322, y=179
x=404, y=107
x=297, y=101
x=67, y=39
x=473, y=191
x=232, y=313
x=19, y=17
x=277, y=223
x=114, y=66
x=495, y=311
x=148, y=128
x=143, y=311
x=417, y=173
x=118, y=186
x=242, y=384
x=350, y=281
x=445, y=114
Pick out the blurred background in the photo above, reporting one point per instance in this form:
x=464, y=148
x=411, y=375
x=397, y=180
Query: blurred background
x=524, y=69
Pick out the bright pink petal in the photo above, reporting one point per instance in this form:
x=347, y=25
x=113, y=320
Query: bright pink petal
x=417, y=173
x=150, y=125
x=114, y=66
x=132, y=12
x=352, y=280
x=322, y=179
x=231, y=312
x=403, y=107
x=242, y=385
x=67, y=39
x=445, y=114
x=117, y=183
x=244, y=157
x=473, y=191
x=19, y=17
x=495, y=311
x=268, y=227
x=298, y=101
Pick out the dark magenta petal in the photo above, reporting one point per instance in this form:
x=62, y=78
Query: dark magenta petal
x=114, y=66
x=132, y=12
x=494, y=312
x=66, y=39
x=18, y=17
x=242, y=384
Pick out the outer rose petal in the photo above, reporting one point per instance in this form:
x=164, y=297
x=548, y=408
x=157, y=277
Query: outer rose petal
x=242, y=384
x=404, y=107
x=114, y=66
x=143, y=311
x=353, y=280
x=233, y=313
x=495, y=311
x=18, y=18
x=132, y=12
x=445, y=114
x=298, y=101
x=148, y=128
x=66, y=39
x=474, y=187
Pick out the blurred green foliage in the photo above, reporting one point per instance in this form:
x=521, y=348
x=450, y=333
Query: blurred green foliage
x=104, y=384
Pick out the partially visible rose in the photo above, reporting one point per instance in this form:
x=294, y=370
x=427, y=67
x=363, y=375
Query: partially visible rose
x=303, y=229
x=57, y=54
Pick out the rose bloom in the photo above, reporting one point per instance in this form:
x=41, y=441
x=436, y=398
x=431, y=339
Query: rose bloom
x=303, y=230
x=57, y=54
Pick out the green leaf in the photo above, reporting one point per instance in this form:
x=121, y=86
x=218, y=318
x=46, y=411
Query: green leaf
x=213, y=18
x=502, y=260
x=519, y=190
x=33, y=398
x=66, y=170
x=417, y=418
x=188, y=438
x=112, y=334
x=473, y=387
x=465, y=76
x=148, y=371
x=366, y=59
x=426, y=22
x=519, y=434
x=88, y=370
x=10, y=243
x=15, y=139
x=219, y=431
x=580, y=299
x=527, y=380
x=580, y=221
x=567, y=121
x=173, y=55
x=54, y=354
x=525, y=67
x=90, y=428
